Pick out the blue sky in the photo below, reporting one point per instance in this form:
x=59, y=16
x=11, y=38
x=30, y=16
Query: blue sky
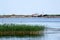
x=29, y=6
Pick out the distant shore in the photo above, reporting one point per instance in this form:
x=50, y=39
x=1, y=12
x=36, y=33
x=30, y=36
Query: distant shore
x=24, y=16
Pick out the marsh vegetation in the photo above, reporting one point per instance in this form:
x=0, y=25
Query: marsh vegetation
x=20, y=30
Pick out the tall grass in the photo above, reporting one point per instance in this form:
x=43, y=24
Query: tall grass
x=17, y=27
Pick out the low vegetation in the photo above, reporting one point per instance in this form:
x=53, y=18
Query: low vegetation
x=19, y=30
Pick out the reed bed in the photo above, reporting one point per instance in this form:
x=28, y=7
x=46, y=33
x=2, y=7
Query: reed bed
x=20, y=29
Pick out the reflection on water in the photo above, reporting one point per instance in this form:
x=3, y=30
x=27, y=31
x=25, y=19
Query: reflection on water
x=55, y=36
x=49, y=34
x=22, y=38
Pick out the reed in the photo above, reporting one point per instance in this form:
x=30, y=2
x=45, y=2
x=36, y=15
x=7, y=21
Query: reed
x=20, y=29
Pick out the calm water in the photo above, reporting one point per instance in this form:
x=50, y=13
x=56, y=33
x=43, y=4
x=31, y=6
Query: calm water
x=48, y=22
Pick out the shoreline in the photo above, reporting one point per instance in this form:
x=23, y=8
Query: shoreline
x=28, y=16
x=31, y=17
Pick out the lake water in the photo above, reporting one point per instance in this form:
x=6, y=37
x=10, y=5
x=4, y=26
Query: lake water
x=48, y=22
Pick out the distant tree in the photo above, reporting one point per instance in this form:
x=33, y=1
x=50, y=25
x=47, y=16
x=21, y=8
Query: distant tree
x=45, y=15
x=13, y=14
x=40, y=15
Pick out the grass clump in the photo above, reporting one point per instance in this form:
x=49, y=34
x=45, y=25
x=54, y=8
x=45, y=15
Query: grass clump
x=18, y=29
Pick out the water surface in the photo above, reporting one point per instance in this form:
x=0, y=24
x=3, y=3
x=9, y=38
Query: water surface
x=48, y=22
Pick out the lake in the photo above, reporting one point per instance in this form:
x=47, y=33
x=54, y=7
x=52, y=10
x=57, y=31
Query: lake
x=49, y=34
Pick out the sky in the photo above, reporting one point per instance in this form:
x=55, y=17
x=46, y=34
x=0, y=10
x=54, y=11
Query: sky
x=29, y=7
